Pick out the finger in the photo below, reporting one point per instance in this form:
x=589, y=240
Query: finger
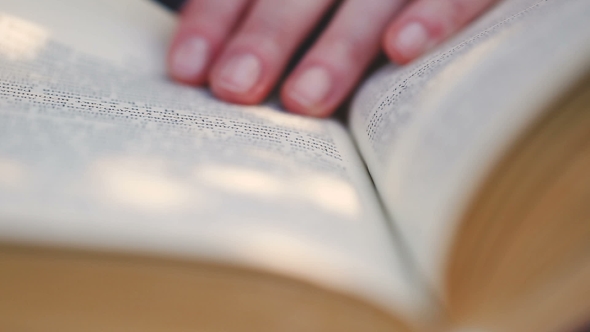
x=204, y=27
x=426, y=23
x=334, y=65
x=254, y=59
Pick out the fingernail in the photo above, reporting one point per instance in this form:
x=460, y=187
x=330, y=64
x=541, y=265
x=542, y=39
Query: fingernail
x=190, y=58
x=311, y=88
x=241, y=73
x=412, y=40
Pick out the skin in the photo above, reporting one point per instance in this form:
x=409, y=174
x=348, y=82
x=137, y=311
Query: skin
x=240, y=48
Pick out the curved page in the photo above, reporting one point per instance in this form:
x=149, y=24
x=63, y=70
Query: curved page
x=430, y=132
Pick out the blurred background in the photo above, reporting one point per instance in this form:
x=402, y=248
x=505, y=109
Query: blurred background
x=172, y=4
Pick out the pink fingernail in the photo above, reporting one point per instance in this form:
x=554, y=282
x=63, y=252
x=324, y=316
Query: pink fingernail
x=241, y=73
x=190, y=58
x=412, y=40
x=311, y=87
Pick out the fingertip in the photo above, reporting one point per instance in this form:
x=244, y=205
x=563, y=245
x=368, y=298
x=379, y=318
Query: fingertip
x=238, y=78
x=404, y=43
x=427, y=23
x=308, y=93
x=189, y=58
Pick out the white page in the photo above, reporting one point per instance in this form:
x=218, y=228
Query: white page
x=99, y=150
x=133, y=34
x=431, y=131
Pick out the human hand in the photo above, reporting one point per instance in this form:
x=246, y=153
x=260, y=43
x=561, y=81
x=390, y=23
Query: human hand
x=241, y=47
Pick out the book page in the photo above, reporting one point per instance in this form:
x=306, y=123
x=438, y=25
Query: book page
x=133, y=34
x=99, y=150
x=431, y=131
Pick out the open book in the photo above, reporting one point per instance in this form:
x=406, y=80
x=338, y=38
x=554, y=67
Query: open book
x=131, y=203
